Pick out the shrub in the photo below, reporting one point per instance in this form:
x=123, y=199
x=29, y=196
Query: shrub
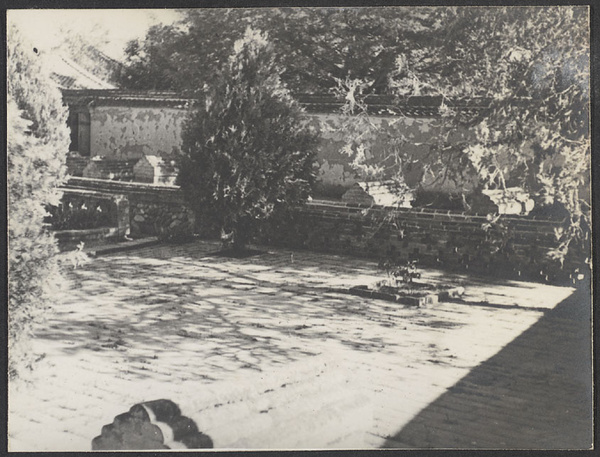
x=38, y=141
x=399, y=272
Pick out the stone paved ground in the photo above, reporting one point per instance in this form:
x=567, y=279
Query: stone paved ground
x=537, y=392
x=176, y=322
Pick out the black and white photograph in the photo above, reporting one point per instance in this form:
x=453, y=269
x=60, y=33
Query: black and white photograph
x=299, y=228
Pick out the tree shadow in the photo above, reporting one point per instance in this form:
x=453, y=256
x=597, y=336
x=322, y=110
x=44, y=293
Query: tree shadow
x=183, y=303
x=536, y=393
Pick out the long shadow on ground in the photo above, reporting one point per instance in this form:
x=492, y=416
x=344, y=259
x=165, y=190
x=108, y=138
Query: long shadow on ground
x=534, y=394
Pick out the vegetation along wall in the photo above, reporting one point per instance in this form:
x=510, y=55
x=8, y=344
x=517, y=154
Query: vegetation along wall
x=514, y=247
x=414, y=135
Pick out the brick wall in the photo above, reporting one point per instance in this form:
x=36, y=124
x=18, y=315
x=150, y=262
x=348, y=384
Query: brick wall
x=128, y=131
x=76, y=164
x=443, y=239
x=334, y=165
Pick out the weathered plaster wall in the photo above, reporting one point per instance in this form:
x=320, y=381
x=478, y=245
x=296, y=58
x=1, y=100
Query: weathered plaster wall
x=129, y=132
x=126, y=132
x=415, y=137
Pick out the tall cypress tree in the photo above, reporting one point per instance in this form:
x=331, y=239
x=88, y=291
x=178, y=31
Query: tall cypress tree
x=246, y=151
x=38, y=141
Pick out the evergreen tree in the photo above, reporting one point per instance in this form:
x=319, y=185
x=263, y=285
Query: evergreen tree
x=38, y=141
x=246, y=152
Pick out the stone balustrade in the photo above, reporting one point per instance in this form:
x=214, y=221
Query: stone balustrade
x=145, y=209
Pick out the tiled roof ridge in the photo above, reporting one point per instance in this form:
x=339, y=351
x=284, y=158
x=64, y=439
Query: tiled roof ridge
x=382, y=100
x=385, y=100
x=103, y=55
x=415, y=106
x=117, y=91
x=125, y=95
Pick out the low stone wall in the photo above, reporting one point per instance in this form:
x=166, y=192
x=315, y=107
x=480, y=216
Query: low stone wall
x=442, y=239
x=152, y=210
x=516, y=247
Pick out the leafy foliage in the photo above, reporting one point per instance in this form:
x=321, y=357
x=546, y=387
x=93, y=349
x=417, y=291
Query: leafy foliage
x=400, y=272
x=246, y=152
x=38, y=140
x=526, y=70
x=313, y=46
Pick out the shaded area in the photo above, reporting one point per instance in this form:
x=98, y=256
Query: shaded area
x=136, y=308
x=237, y=254
x=535, y=393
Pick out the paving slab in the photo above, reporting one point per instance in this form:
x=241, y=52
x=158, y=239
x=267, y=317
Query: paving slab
x=171, y=322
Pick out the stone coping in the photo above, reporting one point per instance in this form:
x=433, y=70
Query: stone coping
x=72, y=234
x=107, y=184
x=424, y=212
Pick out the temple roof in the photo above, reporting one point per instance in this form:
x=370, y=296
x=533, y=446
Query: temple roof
x=69, y=75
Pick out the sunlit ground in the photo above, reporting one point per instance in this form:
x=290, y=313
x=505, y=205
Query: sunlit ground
x=174, y=322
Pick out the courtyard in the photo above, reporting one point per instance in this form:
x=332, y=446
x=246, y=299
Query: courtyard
x=265, y=352
x=415, y=193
